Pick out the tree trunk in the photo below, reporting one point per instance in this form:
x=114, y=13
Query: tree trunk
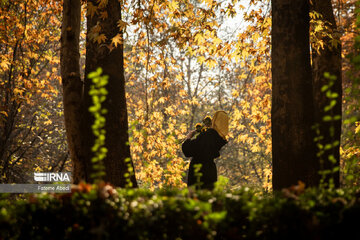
x=294, y=153
x=72, y=84
x=328, y=60
x=110, y=59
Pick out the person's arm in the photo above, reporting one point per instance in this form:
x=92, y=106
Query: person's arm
x=190, y=134
x=189, y=146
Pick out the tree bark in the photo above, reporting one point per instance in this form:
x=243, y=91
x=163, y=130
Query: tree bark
x=110, y=59
x=328, y=60
x=72, y=84
x=294, y=153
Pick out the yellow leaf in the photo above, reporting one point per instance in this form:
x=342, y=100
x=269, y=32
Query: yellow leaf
x=235, y=93
x=209, y=2
x=318, y=28
x=103, y=15
x=100, y=39
x=357, y=129
x=210, y=62
x=199, y=38
x=91, y=9
x=217, y=40
x=245, y=54
x=48, y=122
x=4, y=65
x=179, y=76
x=173, y=5
x=117, y=40
x=4, y=113
x=241, y=127
x=255, y=36
x=182, y=93
x=202, y=49
x=201, y=59
x=242, y=138
x=18, y=91
x=161, y=100
x=255, y=148
x=122, y=25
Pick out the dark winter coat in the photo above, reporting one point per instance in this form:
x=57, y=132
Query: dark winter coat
x=203, y=150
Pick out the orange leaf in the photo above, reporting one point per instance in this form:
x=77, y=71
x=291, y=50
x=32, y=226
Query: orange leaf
x=122, y=25
x=117, y=40
x=100, y=39
x=104, y=15
x=91, y=9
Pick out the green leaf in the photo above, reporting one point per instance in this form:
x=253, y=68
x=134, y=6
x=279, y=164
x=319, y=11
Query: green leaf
x=330, y=106
x=337, y=117
x=324, y=88
x=350, y=120
x=328, y=146
x=334, y=95
x=327, y=118
x=336, y=143
x=332, y=159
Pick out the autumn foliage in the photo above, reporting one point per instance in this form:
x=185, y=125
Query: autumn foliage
x=31, y=124
x=183, y=60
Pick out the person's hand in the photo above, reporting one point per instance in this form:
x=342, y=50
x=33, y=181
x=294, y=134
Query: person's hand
x=190, y=134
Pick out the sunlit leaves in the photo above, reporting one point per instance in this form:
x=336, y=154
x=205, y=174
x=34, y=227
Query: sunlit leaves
x=29, y=39
x=122, y=25
x=4, y=64
x=176, y=61
x=100, y=38
x=173, y=5
x=117, y=40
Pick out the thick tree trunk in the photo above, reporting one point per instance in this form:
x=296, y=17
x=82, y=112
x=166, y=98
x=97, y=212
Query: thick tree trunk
x=328, y=60
x=294, y=153
x=111, y=61
x=72, y=84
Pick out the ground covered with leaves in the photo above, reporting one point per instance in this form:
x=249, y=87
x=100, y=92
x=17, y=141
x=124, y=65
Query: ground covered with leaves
x=103, y=212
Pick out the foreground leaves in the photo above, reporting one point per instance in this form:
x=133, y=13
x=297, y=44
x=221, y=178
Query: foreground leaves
x=101, y=211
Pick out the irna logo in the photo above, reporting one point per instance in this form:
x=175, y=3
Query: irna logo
x=52, y=177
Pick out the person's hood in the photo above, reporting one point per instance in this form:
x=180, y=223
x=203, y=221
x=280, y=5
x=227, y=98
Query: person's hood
x=220, y=123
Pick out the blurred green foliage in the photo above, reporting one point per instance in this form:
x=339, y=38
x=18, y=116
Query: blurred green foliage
x=98, y=94
x=351, y=123
x=103, y=212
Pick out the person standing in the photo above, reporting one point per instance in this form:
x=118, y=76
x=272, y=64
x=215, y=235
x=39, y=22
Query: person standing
x=204, y=149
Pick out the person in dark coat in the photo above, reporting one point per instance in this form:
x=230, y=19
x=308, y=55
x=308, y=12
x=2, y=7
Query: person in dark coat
x=203, y=150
